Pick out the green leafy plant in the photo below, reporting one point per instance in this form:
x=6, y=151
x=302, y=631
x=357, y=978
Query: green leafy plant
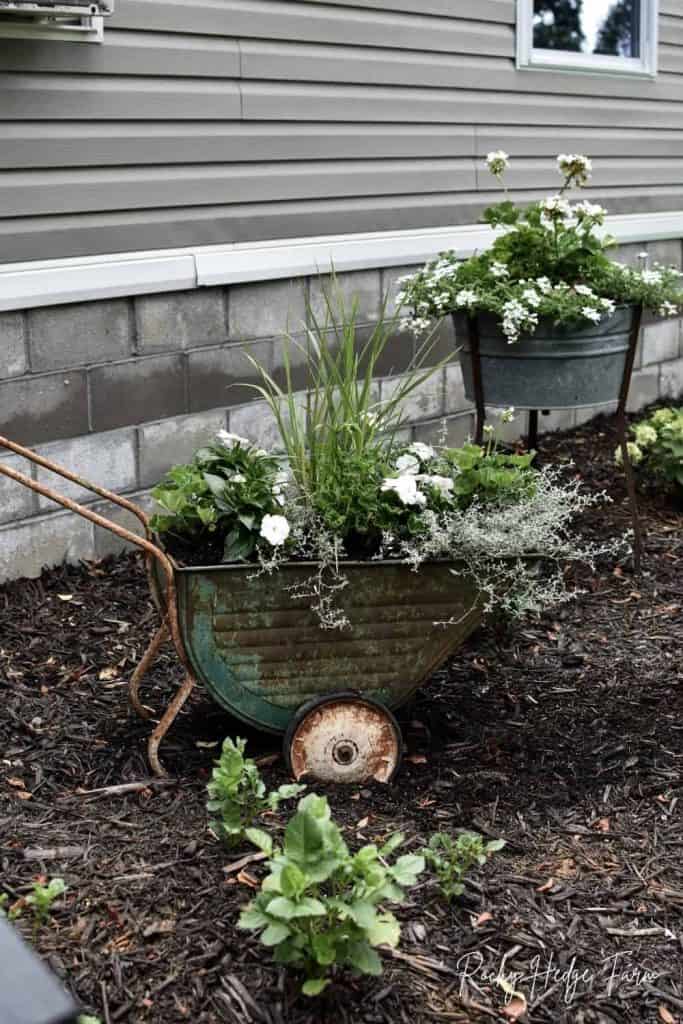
x=238, y=795
x=657, y=448
x=221, y=498
x=340, y=439
x=451, y=858
x=10, y=912
x=41, y=900
x=549, y=260
x=84, y=1019
x=323, y=908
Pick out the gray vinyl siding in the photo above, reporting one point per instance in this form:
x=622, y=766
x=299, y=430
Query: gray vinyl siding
x=202, y=122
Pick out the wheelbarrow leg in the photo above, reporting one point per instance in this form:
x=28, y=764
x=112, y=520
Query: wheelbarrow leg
x=143, y=668
x=166, y=722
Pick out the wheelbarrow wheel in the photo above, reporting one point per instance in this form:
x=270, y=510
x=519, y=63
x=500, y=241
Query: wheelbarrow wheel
x=343, y=738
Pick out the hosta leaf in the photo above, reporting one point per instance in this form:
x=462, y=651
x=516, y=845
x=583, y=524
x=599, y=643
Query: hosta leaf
x=303, y=838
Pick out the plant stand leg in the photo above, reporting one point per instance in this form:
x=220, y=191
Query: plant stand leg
x=165, y=724
x=143, y=668
x=532, y=431
x=477, y=381
x=622, y=431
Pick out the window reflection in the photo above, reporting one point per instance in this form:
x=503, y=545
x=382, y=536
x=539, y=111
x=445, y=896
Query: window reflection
x=588, y=26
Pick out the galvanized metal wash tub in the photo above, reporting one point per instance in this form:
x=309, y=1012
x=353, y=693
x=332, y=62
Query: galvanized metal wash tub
x=555, y=368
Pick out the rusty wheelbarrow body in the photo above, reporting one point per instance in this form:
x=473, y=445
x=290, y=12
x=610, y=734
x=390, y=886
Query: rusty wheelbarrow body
x=257, y=646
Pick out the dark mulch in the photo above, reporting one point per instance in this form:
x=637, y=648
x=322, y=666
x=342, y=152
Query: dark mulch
x=563, y=736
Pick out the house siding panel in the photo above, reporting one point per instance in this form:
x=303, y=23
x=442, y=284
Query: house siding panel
x=200, y=122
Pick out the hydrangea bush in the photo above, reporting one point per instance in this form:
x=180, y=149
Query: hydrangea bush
x=549, y=260
x=657, y=448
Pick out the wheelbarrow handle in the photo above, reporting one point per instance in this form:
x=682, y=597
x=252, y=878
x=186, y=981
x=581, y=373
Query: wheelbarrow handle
x=170, y=613
x=40, y=460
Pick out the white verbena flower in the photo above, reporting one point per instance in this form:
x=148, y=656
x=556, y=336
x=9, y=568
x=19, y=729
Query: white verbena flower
x=229, y=440
x=275, y=529
x=423, y=451
x=405, y=487
x=466, y=297
x=497, y=162
x=591, y=313
x=499, y=270
x=408, y=464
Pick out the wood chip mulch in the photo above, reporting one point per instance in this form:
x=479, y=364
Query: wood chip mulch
x=563, y=735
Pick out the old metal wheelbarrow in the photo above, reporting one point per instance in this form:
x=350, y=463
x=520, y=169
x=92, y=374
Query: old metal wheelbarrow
x=260, y=652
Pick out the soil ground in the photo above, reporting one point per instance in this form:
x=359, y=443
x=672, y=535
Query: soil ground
x=563, y=735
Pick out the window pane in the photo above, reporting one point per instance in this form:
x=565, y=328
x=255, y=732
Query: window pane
x=588, y=26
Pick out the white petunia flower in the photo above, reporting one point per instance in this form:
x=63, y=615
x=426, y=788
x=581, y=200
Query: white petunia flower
x=583, y=289
x=668, y=309
x=238, y=478
x=591, y=313
x=229, y=440
x=423, y=451
x=531, y=296
x=544, y=284
x=408, y=464
x=608, y=305
x=497, y=162
x=405, y=487
x=275, y=529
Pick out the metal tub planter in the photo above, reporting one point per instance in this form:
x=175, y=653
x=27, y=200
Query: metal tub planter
x=263, y=656
x=555, y=368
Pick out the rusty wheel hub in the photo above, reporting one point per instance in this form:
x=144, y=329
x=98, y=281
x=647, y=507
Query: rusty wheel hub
x=344, y=739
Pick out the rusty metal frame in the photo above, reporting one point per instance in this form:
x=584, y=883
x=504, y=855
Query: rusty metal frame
x=532, y=435
x=170, y=626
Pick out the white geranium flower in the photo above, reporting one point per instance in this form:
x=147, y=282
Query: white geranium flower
x=591, y=313
x=275, y=529
x=556, y=208
x=497, y=162
x=229, y=440
x=423, y=451
x=408, y=464
x=590, y=211
x=507, y=415
x=574, y=166
x=583, y=289
x=406, y=488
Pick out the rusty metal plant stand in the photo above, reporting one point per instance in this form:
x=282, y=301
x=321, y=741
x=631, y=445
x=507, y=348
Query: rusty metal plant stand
x=169, y=628
x=532, y=435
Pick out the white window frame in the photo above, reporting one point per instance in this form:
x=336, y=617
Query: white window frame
x=530, y=58
x=84, y=29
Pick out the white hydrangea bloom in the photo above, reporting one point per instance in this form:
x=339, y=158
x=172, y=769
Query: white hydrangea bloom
x=275, y=529
x=634, y=453
x=408, y=464
x=497, y=162
x=645, y=435
x=405, y=487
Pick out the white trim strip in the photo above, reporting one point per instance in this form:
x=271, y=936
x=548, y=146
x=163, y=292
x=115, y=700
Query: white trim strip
x=80, y=279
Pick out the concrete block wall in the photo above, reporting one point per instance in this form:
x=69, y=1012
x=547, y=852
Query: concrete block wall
x=122, y=389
